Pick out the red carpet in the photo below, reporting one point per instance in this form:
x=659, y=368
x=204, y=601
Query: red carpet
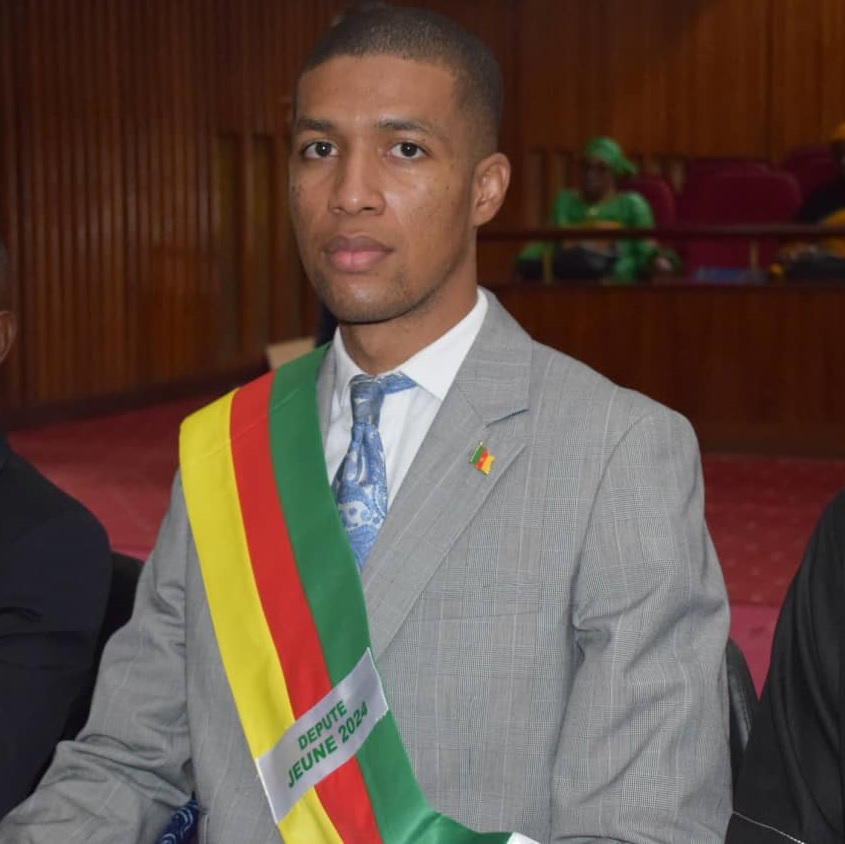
x=760, y=511
x=120, y=466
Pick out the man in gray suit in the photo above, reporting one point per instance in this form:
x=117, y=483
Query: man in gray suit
x=545, y=606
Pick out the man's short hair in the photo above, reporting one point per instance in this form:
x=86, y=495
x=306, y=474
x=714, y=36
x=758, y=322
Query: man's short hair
x=423, y=36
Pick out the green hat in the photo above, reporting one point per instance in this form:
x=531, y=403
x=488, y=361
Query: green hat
x=608, y=151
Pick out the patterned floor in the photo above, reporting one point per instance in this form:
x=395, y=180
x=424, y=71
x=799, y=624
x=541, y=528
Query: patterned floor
x=760, y=511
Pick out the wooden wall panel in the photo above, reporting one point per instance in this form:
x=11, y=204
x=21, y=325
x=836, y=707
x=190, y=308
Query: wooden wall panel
x=807, y=72
x=666, y=78
x=753, y=368
x=143, y=153
x=259, y=46
x=680, y=79
x=113, y=116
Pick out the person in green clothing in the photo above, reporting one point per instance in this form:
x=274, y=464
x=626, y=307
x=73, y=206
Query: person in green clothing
x=599, y=204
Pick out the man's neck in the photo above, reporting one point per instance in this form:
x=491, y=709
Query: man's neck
x=382, y=347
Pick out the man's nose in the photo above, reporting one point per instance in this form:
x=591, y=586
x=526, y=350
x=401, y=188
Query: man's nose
x=357, y=185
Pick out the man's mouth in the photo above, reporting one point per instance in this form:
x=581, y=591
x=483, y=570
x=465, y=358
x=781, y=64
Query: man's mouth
x=355, y=254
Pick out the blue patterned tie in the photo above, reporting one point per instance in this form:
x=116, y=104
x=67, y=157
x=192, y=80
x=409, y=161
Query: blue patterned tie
x=183, y=824
x=360, y=486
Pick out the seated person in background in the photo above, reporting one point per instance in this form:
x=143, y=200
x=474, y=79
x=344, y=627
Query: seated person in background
x=791, y=786
x=597, y=203
x=825, y=206
x=55, y=568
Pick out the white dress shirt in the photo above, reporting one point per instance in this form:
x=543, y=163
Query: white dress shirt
x=406, y=416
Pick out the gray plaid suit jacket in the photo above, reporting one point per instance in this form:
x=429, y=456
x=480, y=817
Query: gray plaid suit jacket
x=550, y=636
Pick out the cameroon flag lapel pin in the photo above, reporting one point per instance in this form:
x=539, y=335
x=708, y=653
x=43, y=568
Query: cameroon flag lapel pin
x=482, y=459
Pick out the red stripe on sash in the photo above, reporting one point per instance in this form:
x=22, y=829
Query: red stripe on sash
x=343, y=793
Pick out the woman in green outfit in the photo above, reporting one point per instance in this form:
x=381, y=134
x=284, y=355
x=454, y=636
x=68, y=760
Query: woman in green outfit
x=599, y=204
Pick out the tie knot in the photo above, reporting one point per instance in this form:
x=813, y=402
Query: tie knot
x=367, y=393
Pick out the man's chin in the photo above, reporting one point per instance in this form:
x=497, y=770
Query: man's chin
x=362, y=310
x=361, y=318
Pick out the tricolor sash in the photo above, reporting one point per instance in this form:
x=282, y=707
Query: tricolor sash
x=289, y=616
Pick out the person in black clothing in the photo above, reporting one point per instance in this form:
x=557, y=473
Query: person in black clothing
x=829, y=199
x=825, y=206
x=55, y=571
x=791, y=785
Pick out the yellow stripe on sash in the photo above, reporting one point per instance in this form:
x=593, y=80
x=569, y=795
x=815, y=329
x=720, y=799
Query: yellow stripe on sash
x=246, y=646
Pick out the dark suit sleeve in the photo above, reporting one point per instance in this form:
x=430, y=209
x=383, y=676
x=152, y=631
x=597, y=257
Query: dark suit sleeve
x=790, y=788
x=52, y=598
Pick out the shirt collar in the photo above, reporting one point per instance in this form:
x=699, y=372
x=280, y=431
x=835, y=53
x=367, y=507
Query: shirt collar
x=433, y=368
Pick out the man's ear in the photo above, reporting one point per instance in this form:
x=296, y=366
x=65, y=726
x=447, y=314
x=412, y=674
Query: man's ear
x=492, y=177
x=8, y=331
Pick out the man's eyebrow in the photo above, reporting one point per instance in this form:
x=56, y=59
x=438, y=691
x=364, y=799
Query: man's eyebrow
x=390, y=124
x=418, y=126
x=312, y=124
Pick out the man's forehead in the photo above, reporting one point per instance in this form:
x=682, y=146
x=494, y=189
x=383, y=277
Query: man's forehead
x=374, y=75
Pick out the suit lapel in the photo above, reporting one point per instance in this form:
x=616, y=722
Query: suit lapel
x=443, y=490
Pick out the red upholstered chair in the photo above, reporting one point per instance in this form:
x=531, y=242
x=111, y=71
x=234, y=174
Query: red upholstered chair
x=699, y=174
x=659, y=195
x=741, y=198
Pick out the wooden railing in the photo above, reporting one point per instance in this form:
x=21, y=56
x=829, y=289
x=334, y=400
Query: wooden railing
x=782, y=232
x=677, y=236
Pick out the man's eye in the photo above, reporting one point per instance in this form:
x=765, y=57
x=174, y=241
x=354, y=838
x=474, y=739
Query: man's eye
x=407, y=150
x=318, y=149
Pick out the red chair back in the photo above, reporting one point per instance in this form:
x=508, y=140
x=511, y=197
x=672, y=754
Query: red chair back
x=699, y=174
x=736, y=198
x=659, y=195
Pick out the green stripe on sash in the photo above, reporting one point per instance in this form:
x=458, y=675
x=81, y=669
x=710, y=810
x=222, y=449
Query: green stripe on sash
x=333, y=590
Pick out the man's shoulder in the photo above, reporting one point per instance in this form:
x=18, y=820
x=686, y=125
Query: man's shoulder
x=215, y=415
x=582, y=386
x=257, y=394
x=560, y=385
x=28, y=499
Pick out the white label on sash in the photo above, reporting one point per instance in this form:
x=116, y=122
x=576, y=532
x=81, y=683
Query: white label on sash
x=518, y=838
x=325, y=737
